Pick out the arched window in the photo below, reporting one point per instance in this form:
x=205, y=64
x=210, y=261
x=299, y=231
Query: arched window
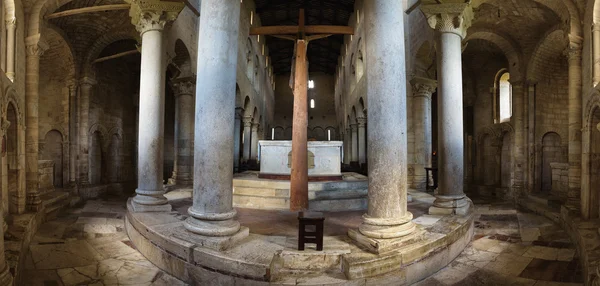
x=312, y=103
x=503, y=98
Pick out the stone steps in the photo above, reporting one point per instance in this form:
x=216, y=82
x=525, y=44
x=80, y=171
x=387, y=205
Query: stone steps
x=54, y=202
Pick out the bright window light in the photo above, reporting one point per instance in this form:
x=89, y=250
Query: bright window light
x=312, y=103
x=311, y=84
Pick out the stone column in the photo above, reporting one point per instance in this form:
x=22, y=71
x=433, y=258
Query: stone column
x=422, y=89
x=5, y=276
x=450, y=22
x=73, y=134
x=596, y=53
x=150, y=18
x=86, y=86
x=387, y=217
x=574, y=55
x=348, y=146
x=212, y=213
x=362, y=150
x=11, y=28
x=237, y=137
x=184, y=89
x=519, y=162
x=247, y=134
x=35, y=49
x=254, y=142
x=355, y=143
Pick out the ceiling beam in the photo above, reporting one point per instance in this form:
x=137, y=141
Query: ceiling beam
x=102, y=8
x=115, y=56
x=291, y=30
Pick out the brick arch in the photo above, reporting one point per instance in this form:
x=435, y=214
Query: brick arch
x=545, y=49
x=101, y=43
x=510, y=48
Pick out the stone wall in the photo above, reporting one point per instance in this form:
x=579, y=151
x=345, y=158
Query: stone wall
x=560, y=180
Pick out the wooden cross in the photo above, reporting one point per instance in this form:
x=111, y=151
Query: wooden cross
x=299, y=174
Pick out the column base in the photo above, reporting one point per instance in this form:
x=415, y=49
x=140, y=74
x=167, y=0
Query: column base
x=215, y=231
x=150, y=201
x=5, y=277
x=380, y=235
x=382, y=245
x=450, y=205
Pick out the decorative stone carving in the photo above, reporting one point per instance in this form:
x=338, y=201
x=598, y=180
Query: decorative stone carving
x=573, y=54
x=361, y=121
x=247, y=121
x=449, y=17
x=149, y=15
x=11, y=23
x=37, y=49
x=184, y=86
x=423, y=87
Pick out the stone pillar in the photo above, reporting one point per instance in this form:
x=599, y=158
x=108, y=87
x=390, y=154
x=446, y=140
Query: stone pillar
x=247, y=134
x=86, y=86
x=73, y=134
x=422, y=89
x=348, y=146
x=574, y=55
x=11, y=28
x=150, y=18
x=35, y=49
x=450, y=22
x=596, y=53
x=355, y=143
x=237, y=137
x=212, y=213
x=5, y=276
x=184, y=89
x=362, y=150
x=519, y=162
x=254, y=142
x=387, y=217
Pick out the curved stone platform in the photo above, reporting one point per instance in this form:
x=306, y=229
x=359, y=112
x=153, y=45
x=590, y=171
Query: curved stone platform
x=268, y=256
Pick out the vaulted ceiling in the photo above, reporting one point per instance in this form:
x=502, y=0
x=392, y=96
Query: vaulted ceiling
x=323, y=53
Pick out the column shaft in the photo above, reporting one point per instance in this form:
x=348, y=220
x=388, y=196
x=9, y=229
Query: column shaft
x=237, y=137
x=348, y=146
x=518, y=119
x=184, y=131
x=362, y=150
x=86, y=90
x=354, y=143
x=254, y=142
x=596, y=53
x=11, y=28
x=422, y=91
x=212, y=212
x=247, y=138
x=73, y=134
x=387, y=215
x=573, y=194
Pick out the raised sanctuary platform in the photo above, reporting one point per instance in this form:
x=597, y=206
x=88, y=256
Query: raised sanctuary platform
x=268, y=255
x=324, y=160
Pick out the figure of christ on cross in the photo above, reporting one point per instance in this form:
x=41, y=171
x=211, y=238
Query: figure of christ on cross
x=301, y=35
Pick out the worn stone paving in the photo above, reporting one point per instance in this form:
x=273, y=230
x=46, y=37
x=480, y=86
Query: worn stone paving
x=512, y=247
x=88, y=246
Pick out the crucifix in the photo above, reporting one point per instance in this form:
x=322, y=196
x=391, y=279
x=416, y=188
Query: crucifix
x=299, y=34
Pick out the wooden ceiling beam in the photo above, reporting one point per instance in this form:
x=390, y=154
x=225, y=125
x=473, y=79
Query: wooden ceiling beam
x=290, y=30
x=101, y=8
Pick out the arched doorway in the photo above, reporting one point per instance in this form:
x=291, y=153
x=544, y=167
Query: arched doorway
x=551, y=153
x=95, y=155
x=506, y=161
x=53, y=151
x=595, y=165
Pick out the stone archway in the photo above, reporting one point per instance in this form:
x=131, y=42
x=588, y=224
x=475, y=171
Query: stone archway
x=53, y=151
x=594, y=185
x=552, y=152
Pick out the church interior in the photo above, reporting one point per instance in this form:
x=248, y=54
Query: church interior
x=300, y=142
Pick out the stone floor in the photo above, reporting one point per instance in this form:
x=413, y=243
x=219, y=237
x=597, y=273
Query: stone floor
x=88, y=246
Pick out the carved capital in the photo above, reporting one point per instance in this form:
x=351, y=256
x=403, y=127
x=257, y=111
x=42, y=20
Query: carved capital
x=255, y=127
x=150, y=15
x=573, y=55
x=449, y=17
x=11, y=23
x=184, y=86
x=362, y=121
x=87, y=81
x=35, y=46
x=423, y=87
x=354, y=127
x=247, y=121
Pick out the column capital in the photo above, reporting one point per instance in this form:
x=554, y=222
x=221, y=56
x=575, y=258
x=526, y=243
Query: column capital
x=35, y=46
x=423, y=87
x=354, y=126
x=448, y=17
x=247, y=121
x=596, y=27
x=361, y=121
x=573, y=54
x=87, y=81
x=255, y=127
x=150, y=15
x=184, y=86
x=11, y=23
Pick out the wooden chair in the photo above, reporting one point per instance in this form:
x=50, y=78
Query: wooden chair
x=310, y=219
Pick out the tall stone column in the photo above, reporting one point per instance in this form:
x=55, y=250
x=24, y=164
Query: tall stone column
x=362, y=150
x=5, y=276
x=574, y=55
x=519, y=162
x=254, y=142
x=73, y=134
x=450, y=22
x=35, y=50
x=212, y=213
x=247, y=136
x=237, y=137
x=348, y=146
x=387, y=217
x=355, y=143
x=422, y=89
x=596, y=53
x=86, y=86
x=150, y=18
x=184, y=89
x=11, y=28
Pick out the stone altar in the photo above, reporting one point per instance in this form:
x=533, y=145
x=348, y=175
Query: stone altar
x=324, y=159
